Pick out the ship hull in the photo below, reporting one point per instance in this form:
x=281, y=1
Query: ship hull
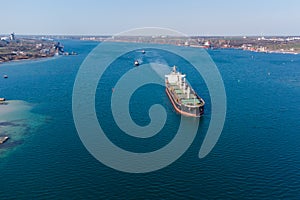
x=183, y=109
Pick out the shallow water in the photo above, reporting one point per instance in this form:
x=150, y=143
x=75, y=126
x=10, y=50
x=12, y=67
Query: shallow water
x=18, y=123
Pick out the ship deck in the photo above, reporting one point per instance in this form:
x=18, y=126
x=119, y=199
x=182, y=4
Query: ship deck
x=191, y=100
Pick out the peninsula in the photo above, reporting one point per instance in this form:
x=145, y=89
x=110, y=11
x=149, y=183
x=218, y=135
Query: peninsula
x=20, y=48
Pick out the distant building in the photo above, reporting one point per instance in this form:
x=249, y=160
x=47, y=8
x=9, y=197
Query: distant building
x=45, y=51
x=12, y=36
x=4, y=38
x=207, y=44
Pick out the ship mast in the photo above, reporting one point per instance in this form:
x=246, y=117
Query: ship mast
x=174, y=69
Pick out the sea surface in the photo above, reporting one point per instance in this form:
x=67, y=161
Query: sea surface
x=256, y=157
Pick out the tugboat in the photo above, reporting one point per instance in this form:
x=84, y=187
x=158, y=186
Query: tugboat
x=136, y=63
x=182, y=96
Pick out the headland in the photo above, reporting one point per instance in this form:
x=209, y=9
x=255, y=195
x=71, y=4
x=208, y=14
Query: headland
x=29, y=47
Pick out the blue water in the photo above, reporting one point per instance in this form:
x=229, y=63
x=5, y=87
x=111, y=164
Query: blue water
x=256, y=157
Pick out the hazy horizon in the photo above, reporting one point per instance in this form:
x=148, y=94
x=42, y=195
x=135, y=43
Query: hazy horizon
x=194, y=18
x=90, y=35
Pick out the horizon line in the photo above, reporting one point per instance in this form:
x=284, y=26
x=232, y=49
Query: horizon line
x=116, y=35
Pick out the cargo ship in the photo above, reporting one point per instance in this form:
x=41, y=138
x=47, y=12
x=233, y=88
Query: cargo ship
x=182, y=96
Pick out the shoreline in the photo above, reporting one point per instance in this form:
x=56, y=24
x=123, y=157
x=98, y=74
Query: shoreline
x=28, y=60
x=25, y=59
x=37, y=49
x=257, y=50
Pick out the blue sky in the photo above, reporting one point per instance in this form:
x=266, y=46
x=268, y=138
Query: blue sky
x=193, y=17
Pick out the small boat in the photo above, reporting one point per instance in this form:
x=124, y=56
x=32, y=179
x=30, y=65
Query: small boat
x=3, y=139
x=136, y=63
x=5, y=76
x=143, y=51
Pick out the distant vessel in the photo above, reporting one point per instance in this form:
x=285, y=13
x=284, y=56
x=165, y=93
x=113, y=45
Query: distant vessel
x=3, y=139
x=143, y=52
x=5, y=76
x=136, y=63
x=182, y=96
